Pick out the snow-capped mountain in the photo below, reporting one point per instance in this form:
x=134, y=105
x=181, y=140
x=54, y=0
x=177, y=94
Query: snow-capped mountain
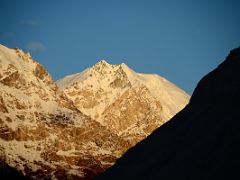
x=130, y=104
x=42, y=134
x=79, y=127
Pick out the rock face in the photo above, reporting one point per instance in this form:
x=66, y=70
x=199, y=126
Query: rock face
x=129, y=104
x=200, y=142
x=80, y=129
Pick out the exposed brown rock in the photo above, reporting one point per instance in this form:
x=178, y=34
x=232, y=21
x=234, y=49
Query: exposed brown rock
x=42, y=74
x=139, y=112
x=3, y=107
x=6, y=133
x=11, y=79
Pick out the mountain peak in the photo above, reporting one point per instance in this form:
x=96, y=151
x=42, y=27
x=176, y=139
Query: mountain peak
x=101, y=66
x=108, y=82
x=103, y=62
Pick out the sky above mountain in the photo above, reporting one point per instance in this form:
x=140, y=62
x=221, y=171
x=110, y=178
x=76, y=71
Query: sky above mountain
x=180, y=40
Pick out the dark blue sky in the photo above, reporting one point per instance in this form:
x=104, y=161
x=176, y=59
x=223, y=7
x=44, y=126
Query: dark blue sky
x=180, y=40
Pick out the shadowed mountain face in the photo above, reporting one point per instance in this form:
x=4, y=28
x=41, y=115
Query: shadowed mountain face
x=200, y=142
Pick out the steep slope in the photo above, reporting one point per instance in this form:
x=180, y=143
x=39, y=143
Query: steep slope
x=200, y=142
x=130, y=104
x=42, y=134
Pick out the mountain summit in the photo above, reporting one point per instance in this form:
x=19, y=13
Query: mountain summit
x=130, y=104
x=200, y=142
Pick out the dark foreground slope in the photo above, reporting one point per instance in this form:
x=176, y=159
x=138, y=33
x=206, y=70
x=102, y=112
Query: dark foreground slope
x=200, y=142
x=7, y=172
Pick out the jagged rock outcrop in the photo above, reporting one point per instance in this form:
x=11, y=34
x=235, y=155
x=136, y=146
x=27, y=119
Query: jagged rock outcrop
x=200, y=142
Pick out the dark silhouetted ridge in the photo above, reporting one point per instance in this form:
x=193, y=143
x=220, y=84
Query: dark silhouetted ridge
x=201, y=142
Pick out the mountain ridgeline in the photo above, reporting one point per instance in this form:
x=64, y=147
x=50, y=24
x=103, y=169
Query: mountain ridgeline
x=200, y=142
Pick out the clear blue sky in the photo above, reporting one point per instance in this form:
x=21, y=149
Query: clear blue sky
x=181, y=40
